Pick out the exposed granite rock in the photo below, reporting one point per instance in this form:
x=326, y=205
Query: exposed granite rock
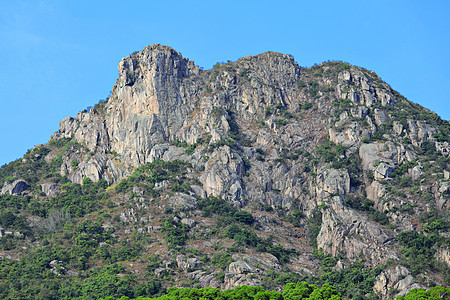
x=50, y=189
x=359, y=112
x=381, y=116
x=344, y=230
x=376, y=152
x=183, y=201
x=15, y=188
x=419, y=132
x=239, y=273
x=375, y=192
x=443, y=148
x=205, y=279
x=443, y=255
x=223, y=172
x=395, y=278
x=240, y=267
x=383, y=171
x=416, y=172
x=331, y=182
x=189, y=263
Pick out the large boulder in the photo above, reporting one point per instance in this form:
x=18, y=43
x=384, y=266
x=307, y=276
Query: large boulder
x=240, y=273
x=50, y=189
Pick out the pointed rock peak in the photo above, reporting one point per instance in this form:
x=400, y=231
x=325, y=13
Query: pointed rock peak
x=155, y=60
x=156, y=48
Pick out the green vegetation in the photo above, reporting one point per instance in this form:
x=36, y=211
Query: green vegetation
x=242, y=235
x=246, y=237
x=77, y=199
x=365, y=205
x=175, y=234
x=291, y=291
x=435, y=222
x=217, y=112
x=434, y=293
x=31, y=279
x=33, y=166
x=280, y=122
x=307, y=105
x=313, y=225
x=329, y=152
x=354, y=282
x=296, y=218
x=419, y=250
x=149, y=174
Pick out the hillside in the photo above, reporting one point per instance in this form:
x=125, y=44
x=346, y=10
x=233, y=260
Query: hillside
x=256, y=172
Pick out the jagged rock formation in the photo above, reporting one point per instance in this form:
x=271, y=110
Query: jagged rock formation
x=15, y=188
x=264, y=133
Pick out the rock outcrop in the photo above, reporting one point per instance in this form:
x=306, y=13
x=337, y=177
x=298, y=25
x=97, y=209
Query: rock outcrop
x=16, y=187
x=395, y=281
x=345, y=231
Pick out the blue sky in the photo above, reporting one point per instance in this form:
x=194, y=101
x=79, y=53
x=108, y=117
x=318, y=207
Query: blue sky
x=58, y=57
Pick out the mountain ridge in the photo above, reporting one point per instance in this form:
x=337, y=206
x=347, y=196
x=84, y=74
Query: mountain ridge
x=301, y=169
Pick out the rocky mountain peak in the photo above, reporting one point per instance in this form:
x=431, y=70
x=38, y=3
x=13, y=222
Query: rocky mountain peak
x=329, y=158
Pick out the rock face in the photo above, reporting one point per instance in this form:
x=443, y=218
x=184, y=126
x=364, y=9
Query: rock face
x=50, y=189
x=266, y=135
x=239, y=273
x=331, y=182
x=344, y=230
x=15, y=188
x=395, y=281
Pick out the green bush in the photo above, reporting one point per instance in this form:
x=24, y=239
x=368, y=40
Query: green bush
x=175, y=234
x=244, y=216
x=307, y=105
x=313, y=226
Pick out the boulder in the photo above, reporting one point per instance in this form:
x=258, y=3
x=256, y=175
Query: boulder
x=190, y=222
x=381, y=116
x=416, y=172
x=50, y=189
x=240, y=267
x=359, y=112
x=444, y=188
x=383, y=171
x=190, y=263
x=182, y=201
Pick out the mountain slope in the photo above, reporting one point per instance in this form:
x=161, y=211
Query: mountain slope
x=237, y=175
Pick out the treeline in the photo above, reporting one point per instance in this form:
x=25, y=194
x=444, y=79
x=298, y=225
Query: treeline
x=291, y=291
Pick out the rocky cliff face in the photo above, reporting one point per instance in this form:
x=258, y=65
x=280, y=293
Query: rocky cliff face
x=266, y=134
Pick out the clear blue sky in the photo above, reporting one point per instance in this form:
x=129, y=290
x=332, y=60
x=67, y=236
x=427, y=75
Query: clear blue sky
x=58, y=57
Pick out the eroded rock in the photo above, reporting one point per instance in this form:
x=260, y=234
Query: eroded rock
x=15, y=188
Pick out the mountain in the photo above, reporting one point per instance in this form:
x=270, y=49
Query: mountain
x=256, y=172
